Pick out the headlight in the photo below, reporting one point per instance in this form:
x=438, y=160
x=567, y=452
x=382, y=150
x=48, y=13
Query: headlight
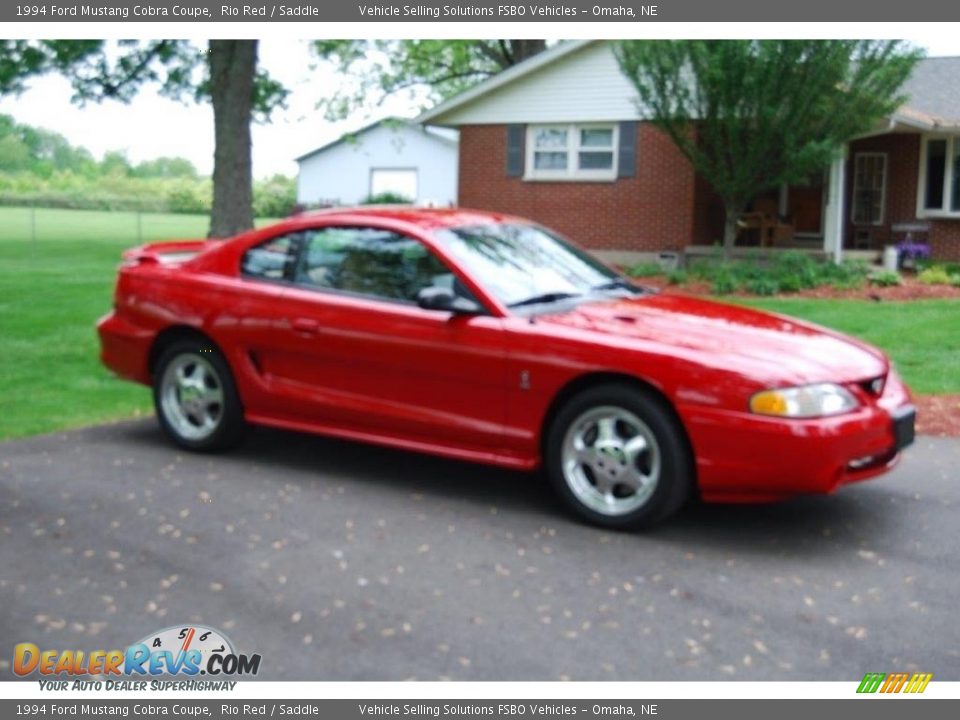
x=803, y=402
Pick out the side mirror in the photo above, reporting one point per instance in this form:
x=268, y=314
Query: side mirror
x=441, y=298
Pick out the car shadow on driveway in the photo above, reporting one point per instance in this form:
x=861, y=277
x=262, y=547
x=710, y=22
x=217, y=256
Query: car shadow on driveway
x=393, y=471
x=815, y=524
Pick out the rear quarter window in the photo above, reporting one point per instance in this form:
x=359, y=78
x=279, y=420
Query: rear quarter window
x=270, y=260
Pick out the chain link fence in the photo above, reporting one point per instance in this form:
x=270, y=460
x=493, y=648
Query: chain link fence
x=32, y=225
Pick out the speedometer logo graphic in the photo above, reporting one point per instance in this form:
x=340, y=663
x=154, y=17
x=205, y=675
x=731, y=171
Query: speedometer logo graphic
x=182, y=639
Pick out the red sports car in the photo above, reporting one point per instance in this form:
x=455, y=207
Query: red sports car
x=488, y=338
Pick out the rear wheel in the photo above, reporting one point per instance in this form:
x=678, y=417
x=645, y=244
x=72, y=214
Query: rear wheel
x=618, y=457
x=195, y=397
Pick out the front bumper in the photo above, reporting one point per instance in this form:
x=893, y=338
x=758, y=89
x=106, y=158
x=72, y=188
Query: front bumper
x=742, y=457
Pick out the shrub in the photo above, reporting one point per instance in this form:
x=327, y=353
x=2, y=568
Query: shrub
x=386, y=198
x=677, y=277
x=802, y=270
x=792, y=282
x=276, y=197
x=844, y=276
x=955, y=280
x=787, y=272
x=800, y=266
x=886, y=278
x=936, y=275
x=724, y=283
x=704, y=269
x=184, y=199
x=762, y=286
x=645, y=269
x=740, y=273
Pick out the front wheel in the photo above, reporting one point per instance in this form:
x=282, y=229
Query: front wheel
x=618, y=457
x=195, y=397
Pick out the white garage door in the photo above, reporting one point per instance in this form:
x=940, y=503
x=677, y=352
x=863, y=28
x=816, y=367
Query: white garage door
x=399, y=181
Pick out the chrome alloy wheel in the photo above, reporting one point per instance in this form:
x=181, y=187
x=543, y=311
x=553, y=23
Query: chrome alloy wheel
x=191, y=397
x=611, y=460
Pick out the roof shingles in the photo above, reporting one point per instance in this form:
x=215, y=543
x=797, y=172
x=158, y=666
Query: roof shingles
x=934, y=91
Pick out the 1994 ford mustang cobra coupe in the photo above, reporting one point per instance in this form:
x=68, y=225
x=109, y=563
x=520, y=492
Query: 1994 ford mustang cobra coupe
x=485, y=337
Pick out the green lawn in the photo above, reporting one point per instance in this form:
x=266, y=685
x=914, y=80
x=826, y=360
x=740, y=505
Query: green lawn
x=54, y=287
x=52, y=290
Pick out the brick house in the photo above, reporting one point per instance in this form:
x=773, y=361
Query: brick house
x=559, y=139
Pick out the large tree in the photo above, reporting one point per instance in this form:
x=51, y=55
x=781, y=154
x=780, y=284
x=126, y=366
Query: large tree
x=381, y=68
x=225, y=73
x=751, y=115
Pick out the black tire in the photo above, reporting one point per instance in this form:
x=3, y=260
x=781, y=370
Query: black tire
x=230, y=425
x=676, y=477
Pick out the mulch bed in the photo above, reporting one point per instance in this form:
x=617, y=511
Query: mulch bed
x=937, y=415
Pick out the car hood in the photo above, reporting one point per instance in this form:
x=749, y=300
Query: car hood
x=771, y=348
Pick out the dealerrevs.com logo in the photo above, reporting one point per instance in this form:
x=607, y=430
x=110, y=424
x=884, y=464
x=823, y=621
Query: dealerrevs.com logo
x=180, y=650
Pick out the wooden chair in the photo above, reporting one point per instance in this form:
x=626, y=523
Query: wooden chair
x=765, y=219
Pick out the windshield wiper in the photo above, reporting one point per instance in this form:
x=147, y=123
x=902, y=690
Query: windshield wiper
x=616, y=284
x=544, y=298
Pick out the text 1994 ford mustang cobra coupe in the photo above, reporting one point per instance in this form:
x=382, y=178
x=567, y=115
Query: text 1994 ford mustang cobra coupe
x=487, y=338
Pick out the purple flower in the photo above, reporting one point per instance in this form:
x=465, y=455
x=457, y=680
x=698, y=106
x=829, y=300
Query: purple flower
x=911, y=249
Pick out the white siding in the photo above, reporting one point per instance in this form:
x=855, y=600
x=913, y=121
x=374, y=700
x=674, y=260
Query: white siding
x=341, y=173
x=584, y=86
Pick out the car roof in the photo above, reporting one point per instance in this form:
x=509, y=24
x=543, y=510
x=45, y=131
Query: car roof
x=423, y=217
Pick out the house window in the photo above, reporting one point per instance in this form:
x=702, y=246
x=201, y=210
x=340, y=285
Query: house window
x=939, y=194
x=955, y=178
x=571, y=152
x=869, y=188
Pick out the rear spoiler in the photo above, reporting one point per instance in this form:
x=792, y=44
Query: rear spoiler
x=170, y=252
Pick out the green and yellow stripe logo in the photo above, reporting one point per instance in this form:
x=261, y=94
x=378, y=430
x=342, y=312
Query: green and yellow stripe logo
x=895, y=682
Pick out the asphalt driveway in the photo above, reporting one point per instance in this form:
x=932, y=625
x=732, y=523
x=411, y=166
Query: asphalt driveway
x=341, y=561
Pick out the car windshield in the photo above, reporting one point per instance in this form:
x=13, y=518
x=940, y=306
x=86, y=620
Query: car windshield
x=524, y=265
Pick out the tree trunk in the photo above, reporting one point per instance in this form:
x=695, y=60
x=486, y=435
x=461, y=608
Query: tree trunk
x=523, y=49
x=730, y=229
x=233, y=65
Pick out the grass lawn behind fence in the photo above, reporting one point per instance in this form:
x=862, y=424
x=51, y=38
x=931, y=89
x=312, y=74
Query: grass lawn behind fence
x=52, y=290
x=54, y=287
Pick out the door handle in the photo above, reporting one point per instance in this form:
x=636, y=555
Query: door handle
x=305, y=326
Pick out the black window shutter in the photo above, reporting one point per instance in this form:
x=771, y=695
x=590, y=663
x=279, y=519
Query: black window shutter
x=516, y=134
x=627, y=152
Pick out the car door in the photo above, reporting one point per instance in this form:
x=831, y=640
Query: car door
x=361, y=356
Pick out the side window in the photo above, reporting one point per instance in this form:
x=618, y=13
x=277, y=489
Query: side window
x=369, y=261
x=270, y=260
